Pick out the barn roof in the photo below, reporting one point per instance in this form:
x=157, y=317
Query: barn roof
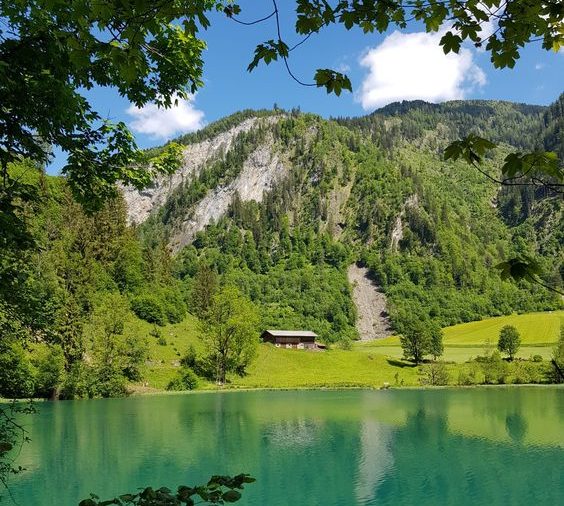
x=291, y=333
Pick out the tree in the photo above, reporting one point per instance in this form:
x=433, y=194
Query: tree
x=558, y=358
x=509, y=341
x=436, y=348
x=230, y=333
x=50, y=376
x=106, y=330
x=203, y=290
x=49, y=51
x=416, y=341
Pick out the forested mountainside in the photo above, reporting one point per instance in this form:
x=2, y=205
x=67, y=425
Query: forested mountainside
x=279, y=204
x=282, y=203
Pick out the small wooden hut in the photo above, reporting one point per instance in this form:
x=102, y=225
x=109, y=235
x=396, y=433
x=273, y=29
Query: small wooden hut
x=299, y=339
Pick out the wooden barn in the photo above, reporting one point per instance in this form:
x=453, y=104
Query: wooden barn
x=299, y=339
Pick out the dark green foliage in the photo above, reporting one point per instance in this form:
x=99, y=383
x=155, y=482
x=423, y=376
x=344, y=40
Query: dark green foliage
x=557, y=362
x=50, y=372
x=204, y=287
x=186, y=379
x=416, y=341
x=149, y=307
x=218, y=490
x=17, y=377
x=509, y=341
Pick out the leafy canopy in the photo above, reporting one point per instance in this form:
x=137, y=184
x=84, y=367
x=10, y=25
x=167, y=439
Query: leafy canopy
x=51, y=50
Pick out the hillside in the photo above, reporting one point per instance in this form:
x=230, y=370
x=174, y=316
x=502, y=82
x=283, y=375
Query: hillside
x=282, y=204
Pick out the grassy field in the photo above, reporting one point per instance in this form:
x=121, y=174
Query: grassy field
x=539, y=333
x=367, y=365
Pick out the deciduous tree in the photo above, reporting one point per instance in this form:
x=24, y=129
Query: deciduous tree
x=231, y=332
x=509, y=341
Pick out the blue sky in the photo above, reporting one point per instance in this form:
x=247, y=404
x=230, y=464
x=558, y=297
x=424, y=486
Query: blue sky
x=383, y=68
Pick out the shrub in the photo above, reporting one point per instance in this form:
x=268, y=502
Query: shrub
x=494, y=368
x=464, y=378
x=148, y=308
x=345, y=344
x=434, y=374
x=536, y=358
x=185, y=380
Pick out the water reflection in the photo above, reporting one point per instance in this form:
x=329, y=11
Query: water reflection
x=476, y=446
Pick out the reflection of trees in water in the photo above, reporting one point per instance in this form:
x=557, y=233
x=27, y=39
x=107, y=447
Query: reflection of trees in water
x=516, y=427
x=438, y=467
x=375, y=460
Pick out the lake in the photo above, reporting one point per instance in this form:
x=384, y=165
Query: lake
x=492, y=446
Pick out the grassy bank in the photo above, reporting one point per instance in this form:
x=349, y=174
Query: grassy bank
x=366, y=365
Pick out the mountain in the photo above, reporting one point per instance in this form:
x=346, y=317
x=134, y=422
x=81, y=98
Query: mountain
x=282, y=203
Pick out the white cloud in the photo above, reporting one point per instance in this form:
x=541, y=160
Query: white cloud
x=414, y=66
x=160, y=123
x=539, y=66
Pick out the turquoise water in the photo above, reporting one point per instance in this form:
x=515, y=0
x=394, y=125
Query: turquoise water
x=496, y=446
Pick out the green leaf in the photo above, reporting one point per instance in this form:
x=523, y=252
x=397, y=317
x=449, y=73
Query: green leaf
x=231, y=496
x=450, y=42
x=334, y=82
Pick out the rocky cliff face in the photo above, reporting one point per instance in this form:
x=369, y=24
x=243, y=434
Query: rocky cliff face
x=196, y=156
x=260, y=172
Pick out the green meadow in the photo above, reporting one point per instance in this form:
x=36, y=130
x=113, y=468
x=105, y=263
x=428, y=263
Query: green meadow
x=366, y=365
x=539, y=333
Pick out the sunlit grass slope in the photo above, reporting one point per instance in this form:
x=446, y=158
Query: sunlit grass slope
x=367, y=365
x=274, y=367
x=281, y=368
x=539, y=333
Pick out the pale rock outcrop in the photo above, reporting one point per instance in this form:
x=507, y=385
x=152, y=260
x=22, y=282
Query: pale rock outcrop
x=140, y=203
x=259, y=174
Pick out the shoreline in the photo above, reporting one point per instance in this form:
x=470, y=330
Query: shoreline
x=4, y=401
x=344, y=389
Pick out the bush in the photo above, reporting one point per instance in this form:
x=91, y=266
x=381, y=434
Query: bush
x=529, y=372
x=494, y=368
x=148, y=308
x=185, y=380
x=345, y=344
x=434, y=374
x=464, y=378
x=536, y=358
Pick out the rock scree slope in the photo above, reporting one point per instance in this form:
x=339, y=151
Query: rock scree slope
x=370, y=301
